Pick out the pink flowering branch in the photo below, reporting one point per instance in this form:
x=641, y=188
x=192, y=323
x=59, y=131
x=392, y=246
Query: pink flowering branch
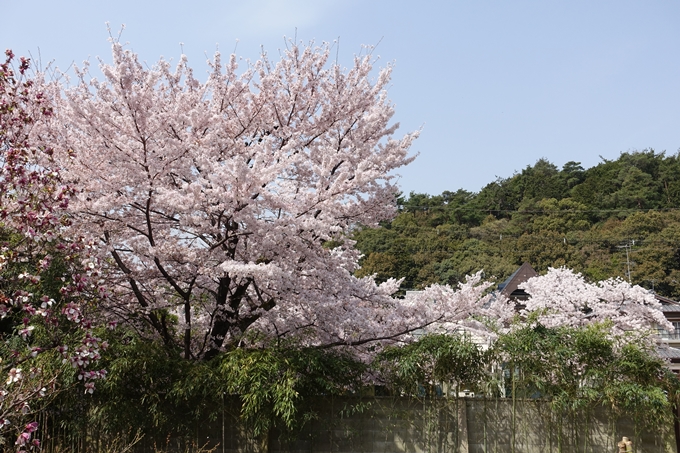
x=33, y=250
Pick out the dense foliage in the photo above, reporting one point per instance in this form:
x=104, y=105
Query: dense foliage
x=610, y=220
x=575, y=371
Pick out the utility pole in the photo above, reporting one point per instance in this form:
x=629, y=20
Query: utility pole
x=627, y=246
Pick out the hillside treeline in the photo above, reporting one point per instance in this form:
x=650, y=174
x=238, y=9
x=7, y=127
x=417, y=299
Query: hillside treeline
x=620, y=218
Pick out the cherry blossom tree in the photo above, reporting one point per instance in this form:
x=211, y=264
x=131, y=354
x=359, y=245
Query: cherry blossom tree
x=222, y=207
x=44, y=288
x=564, y=298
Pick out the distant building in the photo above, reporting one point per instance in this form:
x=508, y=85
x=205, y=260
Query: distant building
x=509, y=288
x=670, y=347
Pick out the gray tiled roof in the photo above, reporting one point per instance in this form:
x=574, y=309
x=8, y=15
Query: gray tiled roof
x=666, y=300
x=666, y=352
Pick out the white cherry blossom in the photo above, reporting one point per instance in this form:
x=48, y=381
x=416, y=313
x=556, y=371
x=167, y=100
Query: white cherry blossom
x=217, y=202
x=563, y=297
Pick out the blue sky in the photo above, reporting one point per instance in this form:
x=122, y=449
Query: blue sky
x=495, y=85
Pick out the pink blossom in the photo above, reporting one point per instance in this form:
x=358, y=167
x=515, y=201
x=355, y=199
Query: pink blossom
x=14, y=375
x=563, y=297
x=25, y=333
x=223, y=215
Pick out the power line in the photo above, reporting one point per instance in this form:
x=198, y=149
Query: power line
x=405, y=208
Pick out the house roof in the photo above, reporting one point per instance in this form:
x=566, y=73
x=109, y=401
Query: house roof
x=667, y=302
x=521, y=275
x=666, y=352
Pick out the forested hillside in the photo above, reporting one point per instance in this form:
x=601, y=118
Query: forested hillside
x=620, y=218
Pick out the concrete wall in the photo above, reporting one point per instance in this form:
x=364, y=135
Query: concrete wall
x=403, y=425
